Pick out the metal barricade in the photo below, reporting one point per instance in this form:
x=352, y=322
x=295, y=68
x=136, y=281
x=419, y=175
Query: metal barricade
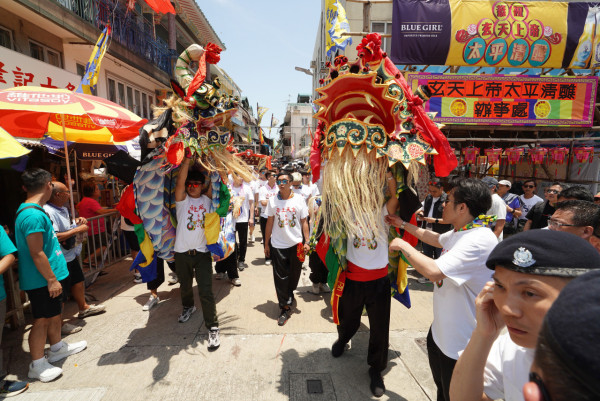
x=105, y=247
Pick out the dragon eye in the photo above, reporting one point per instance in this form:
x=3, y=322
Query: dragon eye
x=213, y=136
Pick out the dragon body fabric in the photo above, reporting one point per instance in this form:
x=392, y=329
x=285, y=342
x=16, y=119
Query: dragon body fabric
x=195, y=123
x=369, y=121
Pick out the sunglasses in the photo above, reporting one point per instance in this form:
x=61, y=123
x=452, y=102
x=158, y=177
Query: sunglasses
x=436, y=183
x=282, y=182
x=193, y=185
x=528, y=186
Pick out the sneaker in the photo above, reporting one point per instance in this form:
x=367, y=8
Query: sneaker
x=91, y=311
x=236, y=281
x=337, y=349
x=187, y=312
x=44, y=371
x=423, y=280
x=291, y=300
x=325, y=288
x=267, y=262
x=241, y=266
x=252, y=239
x=10, y=388
x=173, y=279
x=137, y=278
x=377, y=386
x=220, y=276
x=316, y=288
x=283, y=317
x=213, y=338
x=66, y=350
x=152, y=301
x=67, y=329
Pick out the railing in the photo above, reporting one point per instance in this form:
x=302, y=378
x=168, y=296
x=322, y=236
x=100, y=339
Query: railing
x=128, y=28
x=105, y=248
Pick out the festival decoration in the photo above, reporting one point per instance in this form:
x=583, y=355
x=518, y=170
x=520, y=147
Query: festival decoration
x=557, y=156
x=493, y=154
x=513, y=155
x=369, y=121
x=583, y=154
x=537, y=155
x=470, y=155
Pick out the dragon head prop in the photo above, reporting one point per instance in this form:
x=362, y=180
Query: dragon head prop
x=369, y=121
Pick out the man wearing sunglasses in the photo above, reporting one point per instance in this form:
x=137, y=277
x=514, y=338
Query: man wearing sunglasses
x=528, y=200
x=286, y=225
x=192, y=258
x=538, y=216
x=530, y=271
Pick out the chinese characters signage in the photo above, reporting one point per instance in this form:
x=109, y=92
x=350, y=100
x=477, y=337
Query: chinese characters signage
x=529, y=34
x=509, y=100
x=17, y=69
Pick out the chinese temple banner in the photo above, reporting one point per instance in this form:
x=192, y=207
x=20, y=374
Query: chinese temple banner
x=528, y=34
x=508, y=99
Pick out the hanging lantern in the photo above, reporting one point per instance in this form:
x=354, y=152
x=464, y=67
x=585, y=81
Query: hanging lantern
x=470, y=154
x=493, y=154
x=583, y=154
x=557, y=155
x=513, y=155
x=537, y=155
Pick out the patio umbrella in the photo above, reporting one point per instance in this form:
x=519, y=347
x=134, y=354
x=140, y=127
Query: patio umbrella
x=10, y=147
x=31, y=112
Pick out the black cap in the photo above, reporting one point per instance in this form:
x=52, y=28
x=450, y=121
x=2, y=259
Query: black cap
x=545, y=253
x=572, y=330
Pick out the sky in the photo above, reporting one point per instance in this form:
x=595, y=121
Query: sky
x=265, y=40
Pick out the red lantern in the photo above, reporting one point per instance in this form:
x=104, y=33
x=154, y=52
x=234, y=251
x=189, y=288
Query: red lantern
x=493, y=154
x=583, y=154
x=470, y=155
x=537, y=155
x=513, y=155
x=557, y=155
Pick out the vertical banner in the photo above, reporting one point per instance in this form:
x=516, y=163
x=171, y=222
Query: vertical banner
x=336, y=23
x=528, y=34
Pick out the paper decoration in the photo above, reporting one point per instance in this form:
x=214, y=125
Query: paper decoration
x=583, y=154
x=537, y=155
x=513, y=155
x=557, y=155
x=493, y=155
x=470, y=155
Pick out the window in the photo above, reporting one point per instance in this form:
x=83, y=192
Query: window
x=304, y=121
x=132, y=98
x=6, y=38
x=121, y=95
x=45, y=54
x=383, y=27
x=81, y=70
x=112, y=94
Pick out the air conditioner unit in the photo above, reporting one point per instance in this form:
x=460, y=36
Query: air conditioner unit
x=313, y=64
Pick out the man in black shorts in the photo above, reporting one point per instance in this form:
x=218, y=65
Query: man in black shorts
x=42, y=274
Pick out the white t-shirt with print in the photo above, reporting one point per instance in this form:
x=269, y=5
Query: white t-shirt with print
x=259, y=184
x=287, y=228
x=527, y=204
x=190, y=223
x=265, y=193
x=308, y=191
x=507, y=369
x=498, y=209
x=245, y=192
x=463, y=263
x=369, y=252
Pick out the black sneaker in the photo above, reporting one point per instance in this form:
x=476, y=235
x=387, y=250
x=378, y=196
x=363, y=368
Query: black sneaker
x=337, y=349
x=186, y=314
x=377, y=386
x=283, y=317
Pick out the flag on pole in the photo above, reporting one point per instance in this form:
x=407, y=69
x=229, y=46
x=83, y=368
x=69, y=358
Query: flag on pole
x=274, y=122
x=249, y=134
x=261, y=112
x=260, y=135
x=92, y=69
x=336, y=24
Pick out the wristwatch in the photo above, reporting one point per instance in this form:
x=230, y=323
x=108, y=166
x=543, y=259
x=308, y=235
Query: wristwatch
x=402, y=225
x=437, y=221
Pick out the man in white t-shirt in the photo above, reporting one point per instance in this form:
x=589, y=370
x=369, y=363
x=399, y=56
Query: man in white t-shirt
x=192, y=258
x=531, y=269
x=366, y=285
x=286, y=225
x=308, y=189
x=528, y=200
x=498, y=208
x=459, y=273
x=245, y=219
x=266, y=192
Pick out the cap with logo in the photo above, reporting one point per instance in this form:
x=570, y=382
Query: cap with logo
x=546, y=253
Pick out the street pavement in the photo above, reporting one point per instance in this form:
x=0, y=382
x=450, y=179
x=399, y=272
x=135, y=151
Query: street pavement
x=137, y=355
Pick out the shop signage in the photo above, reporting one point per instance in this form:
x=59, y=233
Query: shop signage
x=529, y=34
x=509, y=99
x=17, y=69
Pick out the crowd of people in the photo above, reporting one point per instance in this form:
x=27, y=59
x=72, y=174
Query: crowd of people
x=498, y=259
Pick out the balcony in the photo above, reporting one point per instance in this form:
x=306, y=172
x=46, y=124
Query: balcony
x=130, y=29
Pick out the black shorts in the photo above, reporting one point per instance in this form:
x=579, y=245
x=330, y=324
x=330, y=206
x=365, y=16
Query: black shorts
x=132, y=240
x=75, y=276
x=42, y=306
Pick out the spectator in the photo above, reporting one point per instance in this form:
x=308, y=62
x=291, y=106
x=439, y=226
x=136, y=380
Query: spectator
x=513, y=207
x=43, y=273
x=498, y=208
x=528, y=200
x=531, y=269
x=575, y=192
x=66, y=231
x=566, y=365
x=538, y=216
x=431, y=216
x=8, y=388
x=578, y=217
x=459, y=273
x=597, y=198
x=243, y=221
x=266, y=192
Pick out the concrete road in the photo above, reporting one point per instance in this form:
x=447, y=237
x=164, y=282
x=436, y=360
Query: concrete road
x=137, y=355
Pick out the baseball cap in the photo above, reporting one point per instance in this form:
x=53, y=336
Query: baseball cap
x=505, y=182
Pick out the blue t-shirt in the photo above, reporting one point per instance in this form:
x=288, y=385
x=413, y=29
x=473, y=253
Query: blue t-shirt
x=6, y=248
x=31, y=221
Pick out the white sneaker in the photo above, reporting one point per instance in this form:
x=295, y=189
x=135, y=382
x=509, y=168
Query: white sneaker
x=325, y=288
x=66, y=350
x=220, y=276
x=316, y=288
x=253, y=239
x=44, y=371
x=268, y=262
x=173, y=279
x=213, y=338
x=137, y=278
x=151, y=303
x=236, y=281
